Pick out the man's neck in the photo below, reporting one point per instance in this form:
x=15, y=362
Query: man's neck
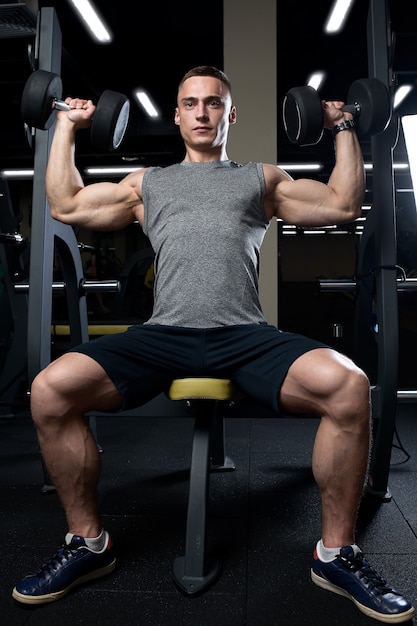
x=196, y=156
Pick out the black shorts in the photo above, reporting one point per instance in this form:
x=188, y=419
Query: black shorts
x=144, y=360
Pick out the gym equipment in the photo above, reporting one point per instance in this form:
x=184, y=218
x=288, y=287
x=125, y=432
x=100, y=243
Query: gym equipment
x=377, y=268
x=12, y=239
x=193, y=572
x=368, y=99
x=14, y=256
x=84, y=286
x=42, y=95
x=377, y=282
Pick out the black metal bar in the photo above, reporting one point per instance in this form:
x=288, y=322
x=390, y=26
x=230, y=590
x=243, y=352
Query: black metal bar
x=49, y=47
x=329, y=285
x=49, y=235
x=85, y=286
x=385, y=272
x=192, y=572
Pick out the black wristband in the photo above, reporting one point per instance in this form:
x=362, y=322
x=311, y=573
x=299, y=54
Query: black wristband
x=345, y=125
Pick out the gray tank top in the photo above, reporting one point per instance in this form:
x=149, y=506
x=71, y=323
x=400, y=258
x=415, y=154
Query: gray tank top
x=206, y=223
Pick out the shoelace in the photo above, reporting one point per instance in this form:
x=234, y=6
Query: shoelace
x=360, y=565
x=62, y=555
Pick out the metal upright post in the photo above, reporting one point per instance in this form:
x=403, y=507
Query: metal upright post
x=381, y=241
x=45, y=231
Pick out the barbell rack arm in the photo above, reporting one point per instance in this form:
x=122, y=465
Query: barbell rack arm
x=330, y=285
x=85, y=286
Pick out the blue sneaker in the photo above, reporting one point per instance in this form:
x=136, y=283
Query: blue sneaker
x=72, y=565
x=350, y=575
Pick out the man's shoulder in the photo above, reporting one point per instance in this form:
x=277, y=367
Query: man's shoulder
x=274, y=173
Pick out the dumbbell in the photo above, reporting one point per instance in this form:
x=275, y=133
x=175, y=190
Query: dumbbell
x=368, y=100
x=42, y=96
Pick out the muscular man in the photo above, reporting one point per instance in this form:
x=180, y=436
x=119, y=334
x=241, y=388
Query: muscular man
x=206, y=218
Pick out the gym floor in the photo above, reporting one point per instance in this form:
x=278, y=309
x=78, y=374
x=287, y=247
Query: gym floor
x=264, y=520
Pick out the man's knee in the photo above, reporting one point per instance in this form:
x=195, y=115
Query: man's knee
x=352, y=402
x=356, y=386
x=346, y=392
x=39, y=387
x=44, y=393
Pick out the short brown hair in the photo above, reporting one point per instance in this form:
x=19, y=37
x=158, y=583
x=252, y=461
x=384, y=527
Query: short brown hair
x=207, y=70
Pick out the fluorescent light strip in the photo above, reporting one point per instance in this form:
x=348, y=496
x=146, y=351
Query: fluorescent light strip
x=145, y=101
x=294, y=167
x=319, y=166
x=316, y=80
x=21, y=174
x=293, y=233
x=409, y=124
x=105, y=171
x=401, y=94
x=395, y=166
x=93, y=21
x=338, y=16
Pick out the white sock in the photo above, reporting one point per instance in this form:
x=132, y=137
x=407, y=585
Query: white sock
x=96, y=544
x=329, y=554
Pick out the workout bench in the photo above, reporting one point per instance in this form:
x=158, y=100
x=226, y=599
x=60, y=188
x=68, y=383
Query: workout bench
x=205, y=397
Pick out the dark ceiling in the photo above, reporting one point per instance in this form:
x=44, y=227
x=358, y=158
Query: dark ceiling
x=155, y=43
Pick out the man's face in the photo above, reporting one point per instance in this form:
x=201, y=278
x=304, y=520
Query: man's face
x=204, y=112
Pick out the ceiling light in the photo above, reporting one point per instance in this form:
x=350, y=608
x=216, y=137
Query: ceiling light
x=395, y=166
x=109, y=170
x=22, y=174
x=301, y=166
x=146, y=103
x=401, y=94
x=337, y=16
x=409, y=124
x=316, y=80
x=93, y=21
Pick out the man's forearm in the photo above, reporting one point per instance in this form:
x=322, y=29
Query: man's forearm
x=63, y=180
x=348, y=175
